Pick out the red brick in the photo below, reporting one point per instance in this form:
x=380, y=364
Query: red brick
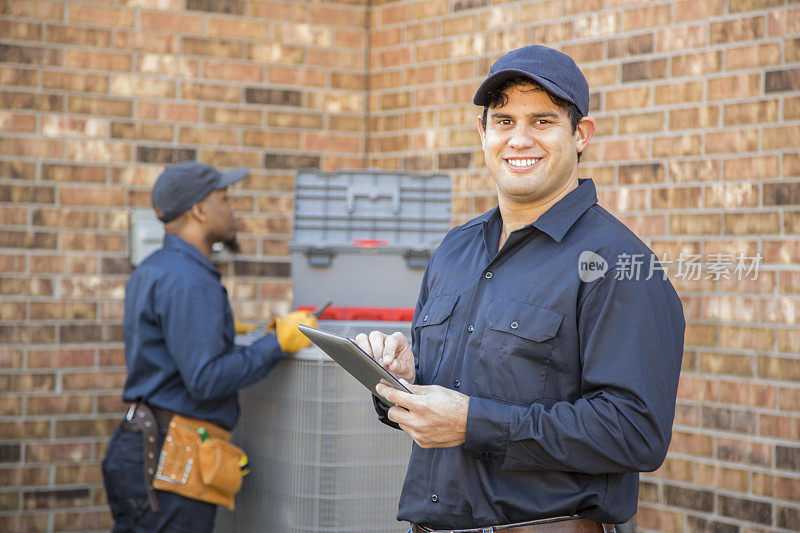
x=641, y=123
x=63, y=264
x=717, y=476
x=694, y=118
x=736, y=141
x=41, y=148
x=60, y=404
x=219, y=115
x=752, y=223
x=781, y=137
x=138, y=86
x=144, y=41
x=162, y=21
x=167, y=112
x=753, y=56
x=740, y=29
x=92, y=60
x=102, y=16
x=20, y=31
x=780, y=368
x=303, y=34
x=238, y=28
x=93, y=380
x=687, y=10
x=682, y=38
x=296, y=76
x=276, y=10
x=690, y=171
x=355, y=16
x=92, y=196
x=632, y=149
x=11, y=263
x=698, y=389
x=233, y=71
x=747, y=393
x=726, y=364
x=678, y=93
x=758, y=167
x=744, y=451
x=34, y=9
x=784, y=22
x=691, y=443
x=740, y=86
x=676, y=198
x=10, y=76
x=60, y=126
x=647, y=17
x=697, y=64
x=100, y=106
x=681, y=145
x=15, y=122
x=752, y=112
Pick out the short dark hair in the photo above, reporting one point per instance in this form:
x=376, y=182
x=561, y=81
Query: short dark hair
x=497, y=97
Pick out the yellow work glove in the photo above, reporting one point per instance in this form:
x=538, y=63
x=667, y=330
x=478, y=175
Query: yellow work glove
x=240, y=328
x=289, y=337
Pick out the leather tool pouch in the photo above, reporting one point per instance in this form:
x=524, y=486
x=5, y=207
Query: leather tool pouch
x=206, y=470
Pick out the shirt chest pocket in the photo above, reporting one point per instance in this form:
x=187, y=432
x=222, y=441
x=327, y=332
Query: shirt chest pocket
x=516, y=350
x=431, y=330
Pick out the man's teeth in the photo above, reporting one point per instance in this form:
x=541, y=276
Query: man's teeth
x=522, y=162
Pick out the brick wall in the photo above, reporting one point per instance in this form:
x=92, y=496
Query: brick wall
x=698, y=111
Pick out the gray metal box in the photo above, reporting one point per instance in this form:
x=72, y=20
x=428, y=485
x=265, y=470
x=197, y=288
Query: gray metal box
x=320, y=459
x=363, y=237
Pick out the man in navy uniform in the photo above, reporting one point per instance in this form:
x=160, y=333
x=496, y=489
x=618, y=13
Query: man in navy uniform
x=543, y=381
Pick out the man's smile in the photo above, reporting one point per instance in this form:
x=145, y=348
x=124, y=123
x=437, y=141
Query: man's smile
x=522, y=163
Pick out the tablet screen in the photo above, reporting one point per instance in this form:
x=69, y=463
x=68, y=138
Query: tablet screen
x=353, y=359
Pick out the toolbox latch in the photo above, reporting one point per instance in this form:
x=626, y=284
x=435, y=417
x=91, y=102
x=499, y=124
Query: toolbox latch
x=320, y=256
x=368, y=190
x=417, y=258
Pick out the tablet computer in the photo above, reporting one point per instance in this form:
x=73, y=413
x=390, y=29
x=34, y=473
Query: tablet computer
x=353, y=359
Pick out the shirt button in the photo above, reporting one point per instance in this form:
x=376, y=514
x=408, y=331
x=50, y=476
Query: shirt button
x=434, y=498
x=425, y=319
x=457, y=383
x=488, y=275
x=514, y=325
x=470, y=328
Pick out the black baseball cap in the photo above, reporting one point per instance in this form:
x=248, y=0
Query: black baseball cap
x=553, y=70
x=182, y=185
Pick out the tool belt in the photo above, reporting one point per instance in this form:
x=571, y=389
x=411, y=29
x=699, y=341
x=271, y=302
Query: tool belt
x=565, y=524
x=205, y=469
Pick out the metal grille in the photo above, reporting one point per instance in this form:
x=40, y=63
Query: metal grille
x=320, y=460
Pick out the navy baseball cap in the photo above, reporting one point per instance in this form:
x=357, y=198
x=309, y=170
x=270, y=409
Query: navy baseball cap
x=182, y=185
x=553, y=70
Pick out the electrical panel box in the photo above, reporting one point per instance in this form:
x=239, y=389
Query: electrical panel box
x=146, y=234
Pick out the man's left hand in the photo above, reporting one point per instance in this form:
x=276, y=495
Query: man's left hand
x=434, y=416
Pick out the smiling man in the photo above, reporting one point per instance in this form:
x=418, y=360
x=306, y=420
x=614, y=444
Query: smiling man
x=543, y=382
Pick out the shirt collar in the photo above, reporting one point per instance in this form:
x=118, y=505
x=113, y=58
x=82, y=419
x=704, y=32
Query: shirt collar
x=557, y=220
x=561, y=216
x=173, y=242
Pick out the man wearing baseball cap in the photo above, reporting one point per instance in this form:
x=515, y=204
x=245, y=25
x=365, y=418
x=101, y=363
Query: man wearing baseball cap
x=543, y=376
x=181, y=359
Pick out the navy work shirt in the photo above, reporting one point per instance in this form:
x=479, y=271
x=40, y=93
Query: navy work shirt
x=572, y=373
x=179, y=338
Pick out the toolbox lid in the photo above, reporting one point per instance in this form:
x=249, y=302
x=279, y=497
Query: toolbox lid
x=353, y=207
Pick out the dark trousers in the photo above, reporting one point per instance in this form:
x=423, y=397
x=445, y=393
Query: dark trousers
x=123, y=476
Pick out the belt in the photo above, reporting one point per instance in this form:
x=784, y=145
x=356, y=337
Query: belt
x=147, y=419
x=550, y=525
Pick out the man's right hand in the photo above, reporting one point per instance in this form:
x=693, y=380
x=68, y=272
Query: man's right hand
x=391, y=351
